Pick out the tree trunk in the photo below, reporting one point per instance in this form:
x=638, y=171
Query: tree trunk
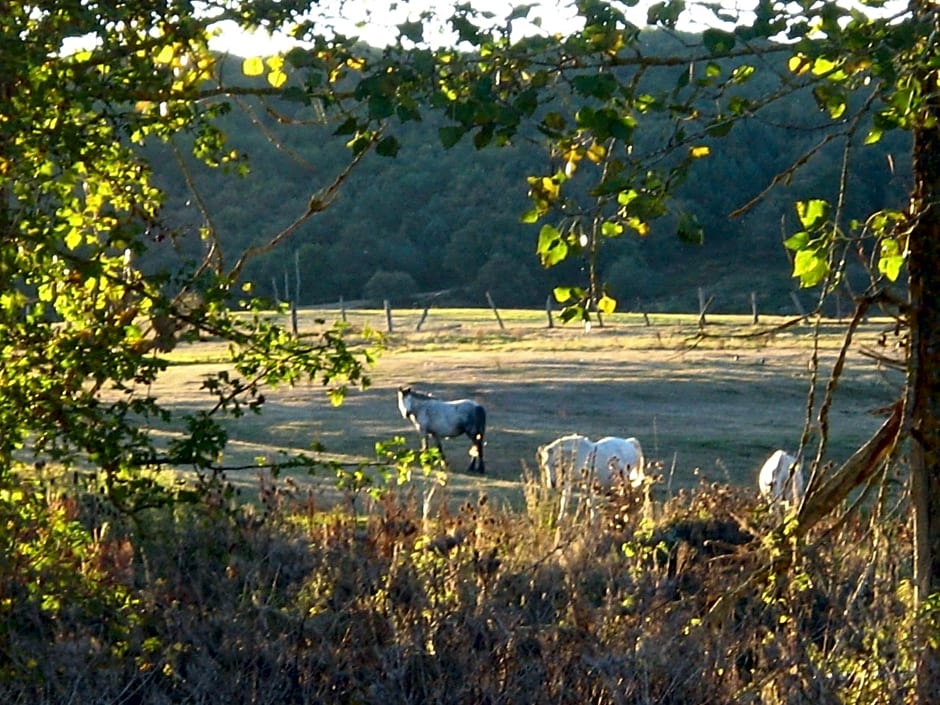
x=924, y=370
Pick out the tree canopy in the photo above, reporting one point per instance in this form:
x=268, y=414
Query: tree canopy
x=623, y=125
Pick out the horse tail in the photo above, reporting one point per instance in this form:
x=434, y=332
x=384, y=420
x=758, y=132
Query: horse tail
x=479, y=423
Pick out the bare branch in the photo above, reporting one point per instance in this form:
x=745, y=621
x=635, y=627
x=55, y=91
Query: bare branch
x=318, y=202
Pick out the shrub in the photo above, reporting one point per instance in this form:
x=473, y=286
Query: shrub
x=397, y=287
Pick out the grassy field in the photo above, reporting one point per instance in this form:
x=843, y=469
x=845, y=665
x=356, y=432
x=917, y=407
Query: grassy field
x=706, y=407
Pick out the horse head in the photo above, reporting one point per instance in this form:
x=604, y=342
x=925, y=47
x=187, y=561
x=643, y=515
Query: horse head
x=404, y=401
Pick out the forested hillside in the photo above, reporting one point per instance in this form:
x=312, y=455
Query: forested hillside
x=448, y=220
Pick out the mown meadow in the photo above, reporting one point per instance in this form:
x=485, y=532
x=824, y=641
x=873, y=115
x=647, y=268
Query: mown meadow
x=487, y=589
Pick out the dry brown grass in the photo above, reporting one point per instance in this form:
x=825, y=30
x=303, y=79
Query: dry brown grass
x=606, y=602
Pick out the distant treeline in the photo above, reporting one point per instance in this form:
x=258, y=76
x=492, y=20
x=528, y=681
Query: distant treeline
x=432, y=219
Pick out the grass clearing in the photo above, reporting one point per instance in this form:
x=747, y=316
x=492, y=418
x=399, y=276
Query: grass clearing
x=707, y=407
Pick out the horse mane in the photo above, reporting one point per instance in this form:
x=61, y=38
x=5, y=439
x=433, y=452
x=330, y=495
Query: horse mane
x=415, y=393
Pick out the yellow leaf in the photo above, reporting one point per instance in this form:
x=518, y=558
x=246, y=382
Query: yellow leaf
x=275, y=63
x=253, y=66
x=642, y=228
x=277, y=78
x=822, y=66
x=699, y=152
x=607, y=304
x=596, y=152
x=73, y=239
x=166, y=55
x=355, y=63
x=798, y=64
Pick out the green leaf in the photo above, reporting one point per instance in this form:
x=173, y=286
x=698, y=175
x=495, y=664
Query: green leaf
x=690, y=230
x=348, y=127
x=831, y=99
x=450, y=135
x=601, y=85
x=810, y=267
x=380, y=107
x=299, y=58
x=552, y=247
x=718, y=41
x=563, y=294
x=388, y=147
x=609, y=229
x=812, y=213
x=569, y=313
x=891, y=259
x=797, y=242
x=529, y=217
x=413, y=31
x=665, y=13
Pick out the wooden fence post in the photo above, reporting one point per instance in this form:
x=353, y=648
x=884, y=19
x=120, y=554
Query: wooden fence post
x=424, y=315
x=754, y=317
x=548, y=311
x=342, y=308
x=704, y=307
x=388, y=316
x=495, y=311
x=701, y=307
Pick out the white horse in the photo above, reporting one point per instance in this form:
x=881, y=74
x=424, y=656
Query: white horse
x=435, y=418
x=781, y=479
x=604, y=461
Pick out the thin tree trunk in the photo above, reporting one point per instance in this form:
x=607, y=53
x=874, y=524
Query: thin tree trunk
x=924, y=367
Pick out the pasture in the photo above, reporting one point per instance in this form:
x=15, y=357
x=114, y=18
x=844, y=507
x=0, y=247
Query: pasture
x=706, y=408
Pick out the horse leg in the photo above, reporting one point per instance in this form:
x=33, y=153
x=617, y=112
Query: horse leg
x=440, y=447
x=476, y=451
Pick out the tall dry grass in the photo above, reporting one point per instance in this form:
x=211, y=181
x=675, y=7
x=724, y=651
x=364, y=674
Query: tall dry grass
x=587, y=599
